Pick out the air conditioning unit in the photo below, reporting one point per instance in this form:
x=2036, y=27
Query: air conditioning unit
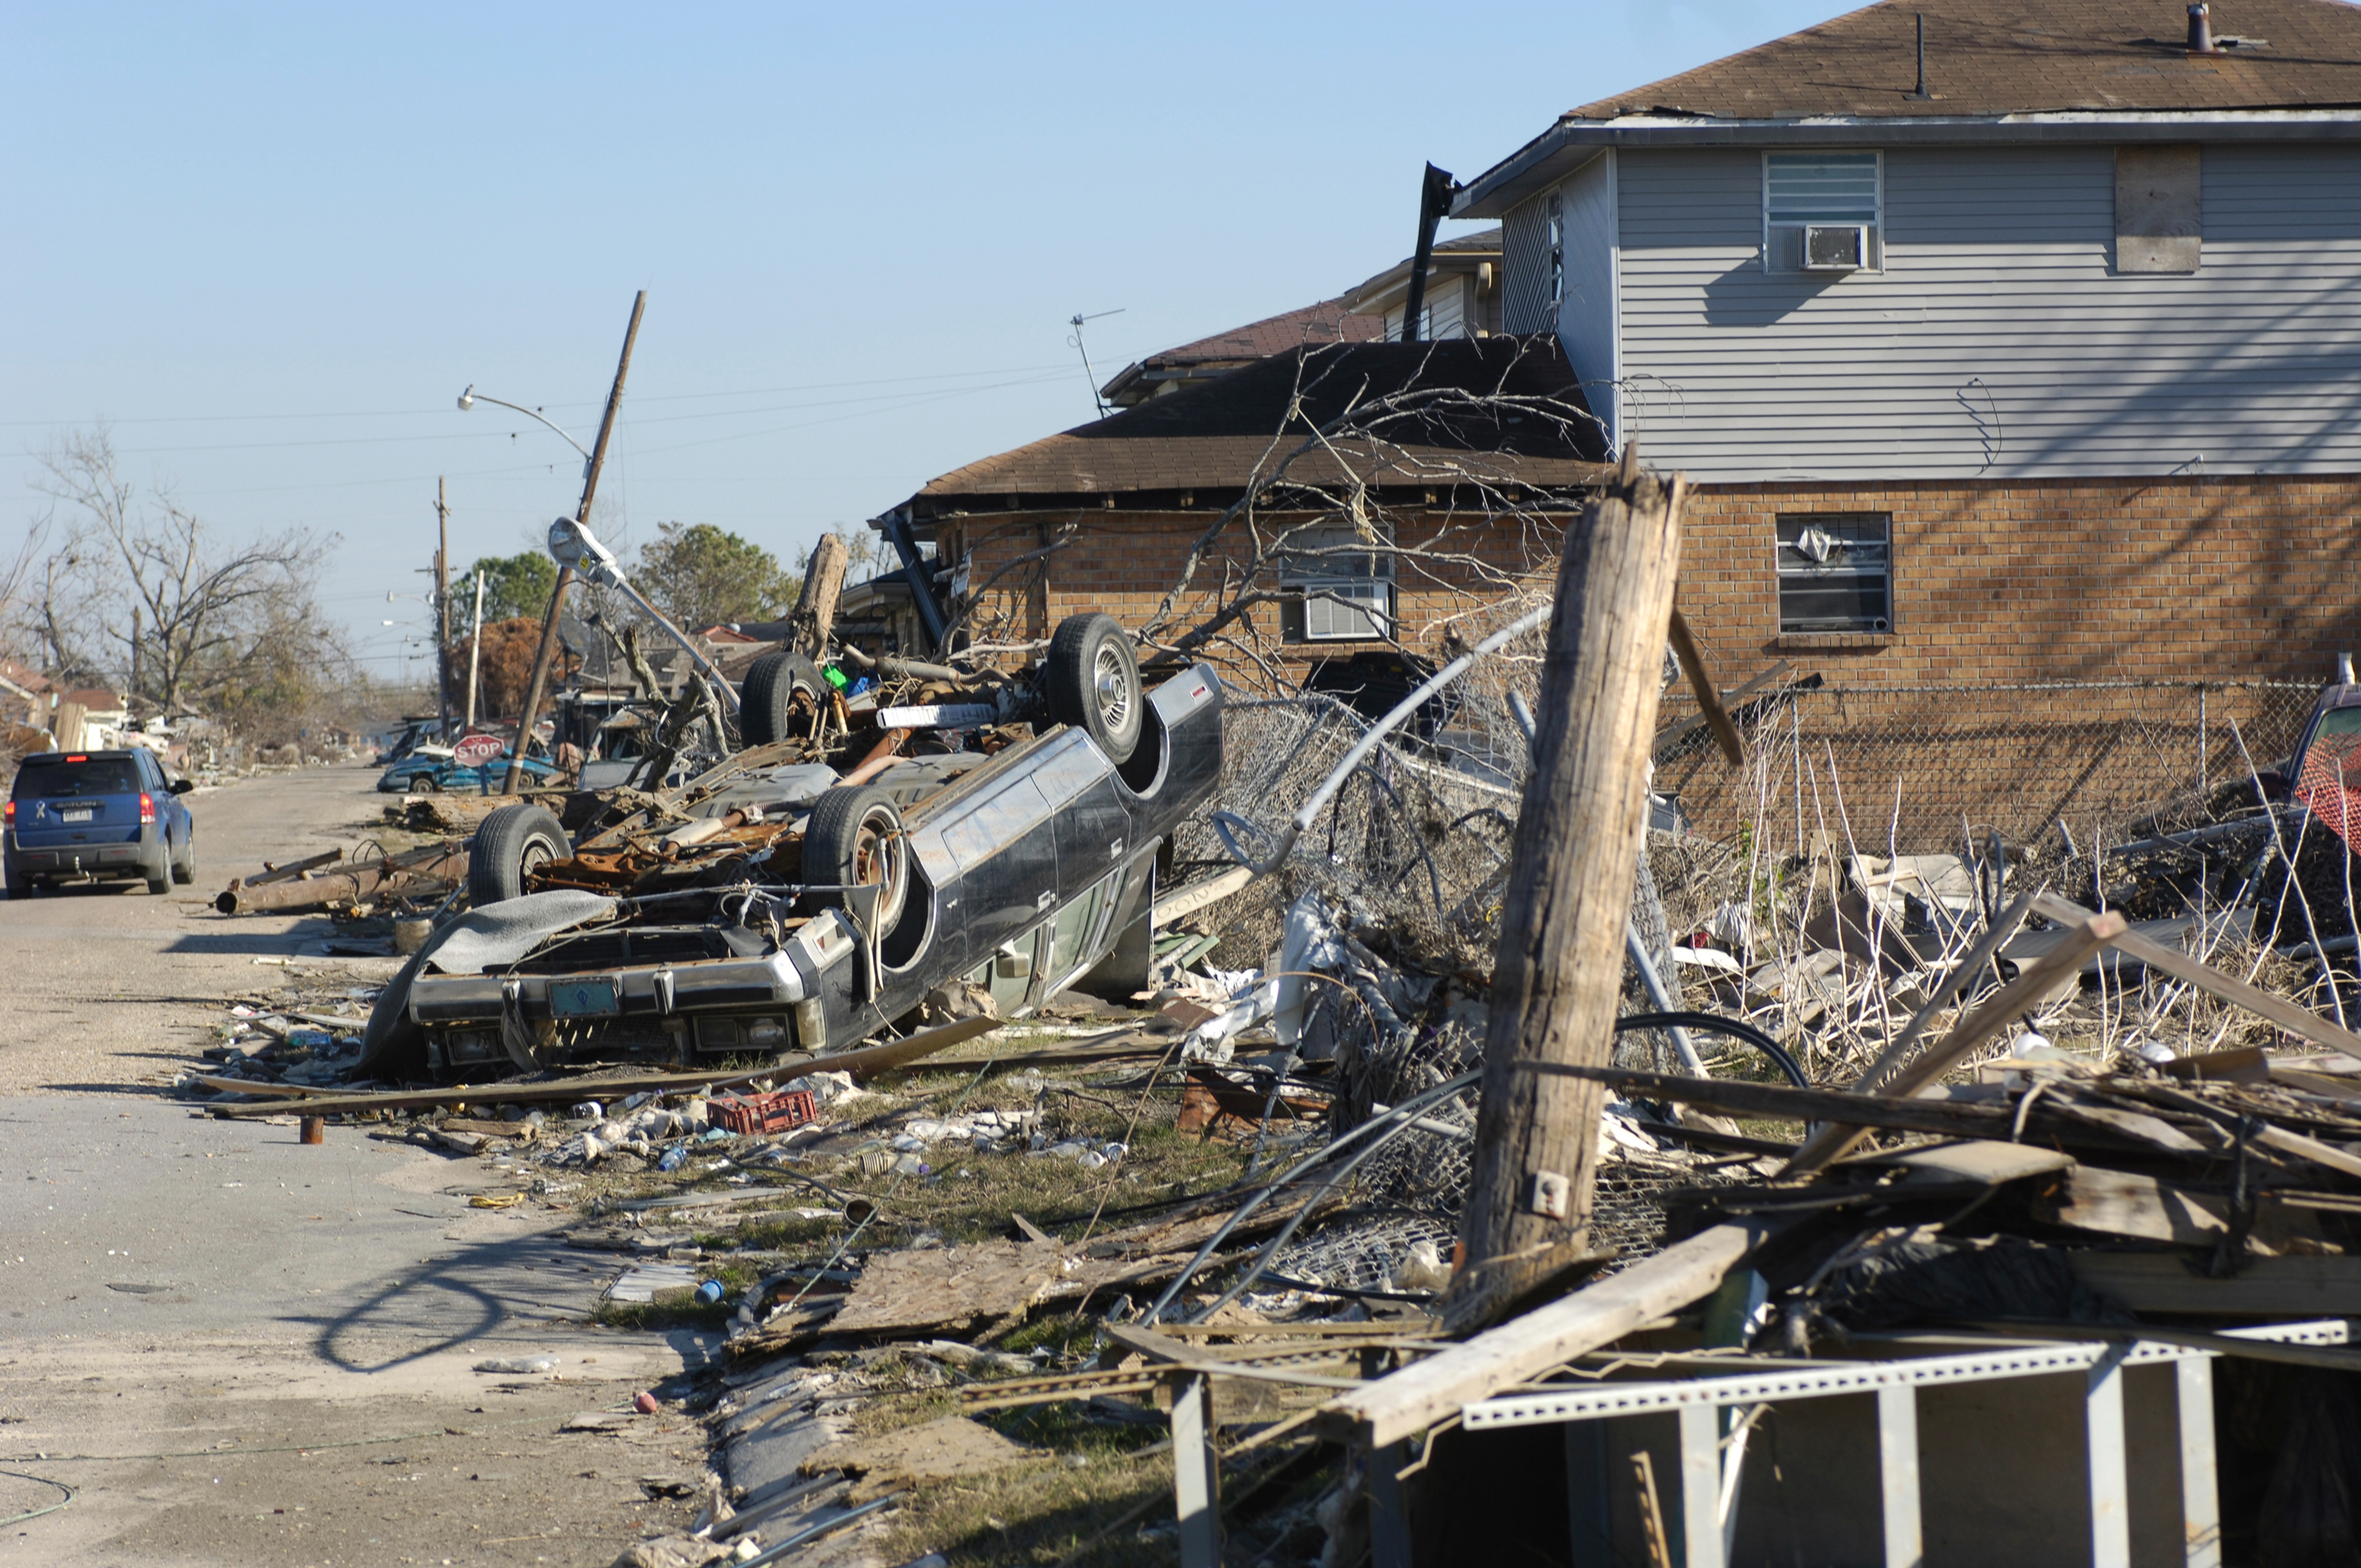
x=1836, y=248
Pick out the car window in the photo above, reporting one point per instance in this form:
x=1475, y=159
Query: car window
x=68, y=777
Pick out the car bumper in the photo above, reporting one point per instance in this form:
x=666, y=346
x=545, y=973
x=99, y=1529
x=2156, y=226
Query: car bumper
x=83, y=859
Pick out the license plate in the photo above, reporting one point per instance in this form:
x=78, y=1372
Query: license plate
x=582, y=999
x=79, y=814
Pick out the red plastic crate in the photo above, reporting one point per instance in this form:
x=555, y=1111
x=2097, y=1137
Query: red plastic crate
x=781, y=1111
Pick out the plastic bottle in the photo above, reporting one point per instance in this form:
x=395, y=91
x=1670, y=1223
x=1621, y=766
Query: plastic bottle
x=673, y=1157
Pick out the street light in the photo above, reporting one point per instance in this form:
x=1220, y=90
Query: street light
x=574, y=547
x=470, y=398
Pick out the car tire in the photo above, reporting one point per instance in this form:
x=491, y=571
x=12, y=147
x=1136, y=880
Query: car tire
x=20, y=885
x=854, y=835
x=507, y=846
x=423, y=784
x=160, y=881
x=184, y=865
x=1093, y=677
x=768, y=706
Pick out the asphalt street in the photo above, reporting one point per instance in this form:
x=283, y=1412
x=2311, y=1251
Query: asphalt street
x=238, y=1348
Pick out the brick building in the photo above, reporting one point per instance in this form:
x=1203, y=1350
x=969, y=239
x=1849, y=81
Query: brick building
x=1401, y=526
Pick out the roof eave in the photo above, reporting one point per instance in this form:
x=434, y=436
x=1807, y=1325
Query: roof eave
x=1570, y=144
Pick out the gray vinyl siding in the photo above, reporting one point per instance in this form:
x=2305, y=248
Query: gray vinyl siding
x=1997, y=342
x=1585, y=323
x=1524, y=269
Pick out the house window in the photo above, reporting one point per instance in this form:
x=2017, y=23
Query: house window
x=1555, y=208
x=1338, y=590
x=1823, y=211
x=1836, y=571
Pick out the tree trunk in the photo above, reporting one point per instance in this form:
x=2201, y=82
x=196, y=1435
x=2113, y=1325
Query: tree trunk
x=1569, y=897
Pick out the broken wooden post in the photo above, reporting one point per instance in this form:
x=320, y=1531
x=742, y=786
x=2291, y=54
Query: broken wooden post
x=1569, y=897
x=814, y=615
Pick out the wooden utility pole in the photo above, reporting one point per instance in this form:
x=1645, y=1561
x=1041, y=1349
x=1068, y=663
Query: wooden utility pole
x=541, y=659
x=1569, y=897
x=814, y=614
x=442, y=614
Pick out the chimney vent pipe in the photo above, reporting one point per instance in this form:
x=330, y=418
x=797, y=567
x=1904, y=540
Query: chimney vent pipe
x=2200, y=29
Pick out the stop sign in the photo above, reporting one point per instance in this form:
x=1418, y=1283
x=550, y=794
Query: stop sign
x=477, y=749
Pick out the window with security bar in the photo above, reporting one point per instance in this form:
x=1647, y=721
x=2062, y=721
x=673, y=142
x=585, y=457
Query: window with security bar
x=1823, y=211
x=1836, y=571
x=1337, y=593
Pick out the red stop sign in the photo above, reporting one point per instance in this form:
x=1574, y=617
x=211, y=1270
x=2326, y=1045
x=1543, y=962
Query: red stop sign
x=477, y=749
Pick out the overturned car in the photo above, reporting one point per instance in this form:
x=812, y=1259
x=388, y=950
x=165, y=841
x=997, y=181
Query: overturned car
x=777, y=904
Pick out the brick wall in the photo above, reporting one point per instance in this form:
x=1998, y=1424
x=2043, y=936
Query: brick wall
x=2055, y=580
x=2225, y=578
x=1125, y=562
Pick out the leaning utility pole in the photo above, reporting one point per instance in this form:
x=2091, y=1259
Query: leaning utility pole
x=1569, y=896
x=475, y=653
x=541, y=659
x=442, y=615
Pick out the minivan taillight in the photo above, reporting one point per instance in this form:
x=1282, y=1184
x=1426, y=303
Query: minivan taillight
x=10, y=820
x=147, y=810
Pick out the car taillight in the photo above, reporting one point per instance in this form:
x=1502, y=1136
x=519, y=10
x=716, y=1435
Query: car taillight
x=147, y=810
x=10, y=818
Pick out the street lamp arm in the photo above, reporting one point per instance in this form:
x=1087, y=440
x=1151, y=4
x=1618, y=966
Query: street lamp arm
x=471, y=397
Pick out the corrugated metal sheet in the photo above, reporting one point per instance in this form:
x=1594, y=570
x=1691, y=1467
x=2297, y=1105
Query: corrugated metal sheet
x=1998, y=341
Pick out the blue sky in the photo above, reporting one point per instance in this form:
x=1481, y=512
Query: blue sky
x=270, y=244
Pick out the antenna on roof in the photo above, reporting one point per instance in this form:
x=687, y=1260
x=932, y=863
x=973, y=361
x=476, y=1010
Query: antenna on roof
x=1075, y=343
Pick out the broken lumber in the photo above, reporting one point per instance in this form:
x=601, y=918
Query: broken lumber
x=2020, y=996
x=2206, y=978
x=2298, y=1288
x=1416, y=1397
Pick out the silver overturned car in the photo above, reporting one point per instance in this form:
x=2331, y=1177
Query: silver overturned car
x=789, y=905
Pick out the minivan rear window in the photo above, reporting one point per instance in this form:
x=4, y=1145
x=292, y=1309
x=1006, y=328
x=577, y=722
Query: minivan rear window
x=62, y=780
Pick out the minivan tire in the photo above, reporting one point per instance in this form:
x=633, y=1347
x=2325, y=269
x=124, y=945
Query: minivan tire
x=507, y=845
x=184, y=864
x=159, y=880
x=848, y=827
x=1093, y=683
x=766, y=711
x=20, y=885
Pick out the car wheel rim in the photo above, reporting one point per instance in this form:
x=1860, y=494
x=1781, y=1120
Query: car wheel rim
x=877, y=859
x=1112, y=687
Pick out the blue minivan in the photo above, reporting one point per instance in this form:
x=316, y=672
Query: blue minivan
x=98, y=814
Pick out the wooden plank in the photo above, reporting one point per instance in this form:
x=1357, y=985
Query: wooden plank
x=2018, y=996
x=1943, y=1118
x=1709, y=700
x=2292, y=1288
x=2118, y=1203
x=943, y=1287
x=1187, y=901
x=1416, y=1397
x=2206, y=978
x=1986, y=1160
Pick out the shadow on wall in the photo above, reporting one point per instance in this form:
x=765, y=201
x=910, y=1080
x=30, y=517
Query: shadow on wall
x=1745, y=295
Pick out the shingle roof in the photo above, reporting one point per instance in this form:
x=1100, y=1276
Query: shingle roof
x=2012, y=58
x=1220, y=435
x=1327, y=322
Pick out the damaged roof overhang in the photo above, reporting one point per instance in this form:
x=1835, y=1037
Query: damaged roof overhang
x=1568, y=145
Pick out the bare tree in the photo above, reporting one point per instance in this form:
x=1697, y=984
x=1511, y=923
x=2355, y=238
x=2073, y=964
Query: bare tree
x=138, y=583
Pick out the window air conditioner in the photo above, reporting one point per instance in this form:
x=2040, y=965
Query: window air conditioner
x=1836, y=248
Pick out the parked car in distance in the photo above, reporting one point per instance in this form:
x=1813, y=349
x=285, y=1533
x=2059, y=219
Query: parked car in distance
x=96, y=815
x=427, y=775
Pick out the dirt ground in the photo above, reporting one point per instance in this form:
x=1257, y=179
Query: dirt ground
x=239, y=1350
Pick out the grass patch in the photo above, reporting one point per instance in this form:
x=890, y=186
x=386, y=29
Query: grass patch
x=681, y=1309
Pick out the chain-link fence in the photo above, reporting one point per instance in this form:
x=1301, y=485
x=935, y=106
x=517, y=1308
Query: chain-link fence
x=1914, y=770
